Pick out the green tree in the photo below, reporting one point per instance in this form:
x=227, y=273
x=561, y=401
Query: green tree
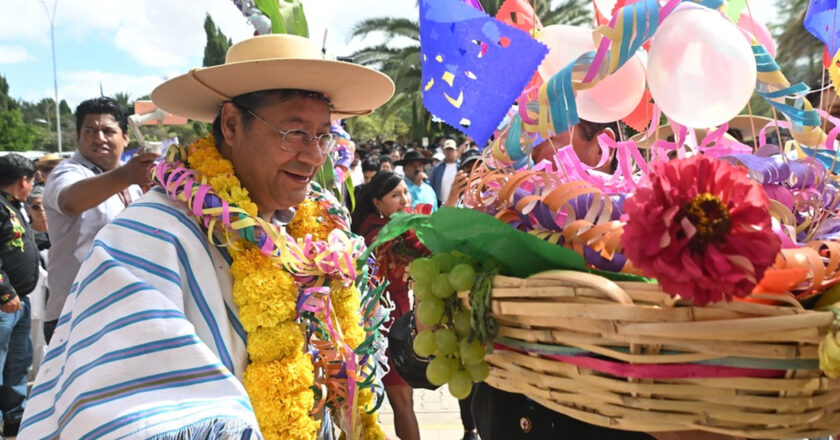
x=217, y=44
x=16, y=135
x=402, y=64
x=799, y=53
x=125, y=101
x=571, y=12
x=379, y=123
x=6, y=101
x=402, y=61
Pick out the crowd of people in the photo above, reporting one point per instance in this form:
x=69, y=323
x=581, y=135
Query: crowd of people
x=53, y=209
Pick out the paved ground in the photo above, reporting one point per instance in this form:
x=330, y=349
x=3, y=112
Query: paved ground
x=437, y=412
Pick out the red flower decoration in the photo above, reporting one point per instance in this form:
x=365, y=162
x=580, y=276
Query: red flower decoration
x=422, y=208
x=702, y=228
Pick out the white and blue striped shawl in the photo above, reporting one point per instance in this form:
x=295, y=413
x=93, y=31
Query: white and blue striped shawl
x=149, y=344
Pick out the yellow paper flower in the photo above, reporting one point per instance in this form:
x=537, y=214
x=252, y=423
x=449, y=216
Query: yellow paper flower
x=370, y=422
x=310, y=219
x=280, y=378
x=275, y=343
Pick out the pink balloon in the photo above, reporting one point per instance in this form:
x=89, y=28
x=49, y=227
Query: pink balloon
x=615, y=96
x=612, y=98
x=756, y=28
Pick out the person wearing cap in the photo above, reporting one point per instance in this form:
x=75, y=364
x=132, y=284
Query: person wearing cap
x=414, y=164
x=18, y=277
x=151, y=343
x=86, y=192
x=443, y=174
x=459, y=185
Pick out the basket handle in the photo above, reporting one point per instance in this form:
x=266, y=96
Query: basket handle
x=597, y=282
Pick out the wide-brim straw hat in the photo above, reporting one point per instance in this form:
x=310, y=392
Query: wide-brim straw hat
x=741, y=123
x=275, y=61
x=49, y=159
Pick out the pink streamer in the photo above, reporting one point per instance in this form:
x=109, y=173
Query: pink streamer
x=600, y=55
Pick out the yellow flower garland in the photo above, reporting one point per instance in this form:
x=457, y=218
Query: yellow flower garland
x=280, y=377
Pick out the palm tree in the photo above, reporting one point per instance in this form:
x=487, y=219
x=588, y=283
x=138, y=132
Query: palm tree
x=571, y=12
x=124, y=99
x=402, y=63
x=799, y=53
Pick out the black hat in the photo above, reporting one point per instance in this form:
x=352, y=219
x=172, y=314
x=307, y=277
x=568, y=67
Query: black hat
x=468, y=158
x=413, y=156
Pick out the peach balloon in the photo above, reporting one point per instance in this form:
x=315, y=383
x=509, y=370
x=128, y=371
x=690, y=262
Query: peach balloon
x=615, y=96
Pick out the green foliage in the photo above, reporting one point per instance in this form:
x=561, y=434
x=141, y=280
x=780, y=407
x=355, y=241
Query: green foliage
x=286, y=16
x=379, y=123
x=15, y=134
x=217, y=44
x=571, y=12
x=124, y=99
x=6, y=101
x=799, y=53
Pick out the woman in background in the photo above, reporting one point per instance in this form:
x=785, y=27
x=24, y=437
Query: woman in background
x=385, y=194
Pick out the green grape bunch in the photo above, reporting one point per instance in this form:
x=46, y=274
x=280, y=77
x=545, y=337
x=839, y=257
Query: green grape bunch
x=455, y=338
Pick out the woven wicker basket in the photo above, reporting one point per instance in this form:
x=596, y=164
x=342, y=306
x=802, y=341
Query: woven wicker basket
x=627, y=356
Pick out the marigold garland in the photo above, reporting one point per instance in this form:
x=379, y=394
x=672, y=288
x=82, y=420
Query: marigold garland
x=280, y=378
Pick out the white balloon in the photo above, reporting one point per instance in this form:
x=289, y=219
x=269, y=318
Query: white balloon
x=565, y=44
x=701, y=71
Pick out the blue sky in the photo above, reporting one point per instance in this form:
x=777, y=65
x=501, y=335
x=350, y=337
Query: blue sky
x=133, y=45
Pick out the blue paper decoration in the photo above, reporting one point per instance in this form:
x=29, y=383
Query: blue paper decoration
x=474, y=66
x=822, y=21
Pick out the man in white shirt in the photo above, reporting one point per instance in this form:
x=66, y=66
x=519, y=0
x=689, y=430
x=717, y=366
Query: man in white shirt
x=444, y=173
x=86, y=192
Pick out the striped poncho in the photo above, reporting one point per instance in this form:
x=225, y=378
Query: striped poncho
x=149, y=344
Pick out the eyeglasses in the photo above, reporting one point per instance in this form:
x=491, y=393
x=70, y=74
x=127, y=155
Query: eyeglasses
x=294, y=141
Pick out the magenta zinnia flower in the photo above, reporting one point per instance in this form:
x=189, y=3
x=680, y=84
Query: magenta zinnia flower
x=702, y=228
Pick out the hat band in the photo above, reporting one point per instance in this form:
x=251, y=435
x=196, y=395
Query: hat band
x=195, y=78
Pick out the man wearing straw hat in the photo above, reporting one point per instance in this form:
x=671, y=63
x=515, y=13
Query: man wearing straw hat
x=150, y=344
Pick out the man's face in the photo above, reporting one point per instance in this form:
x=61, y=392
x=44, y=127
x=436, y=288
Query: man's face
x=368, y=175
x=385, y=166
x=412, y=168
x=35, y=209
x=549, y=147
x=395, y=154
x=26, y=189
x=102, y=141
x=588, y=151
x=275, y=178
x=450, y=155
